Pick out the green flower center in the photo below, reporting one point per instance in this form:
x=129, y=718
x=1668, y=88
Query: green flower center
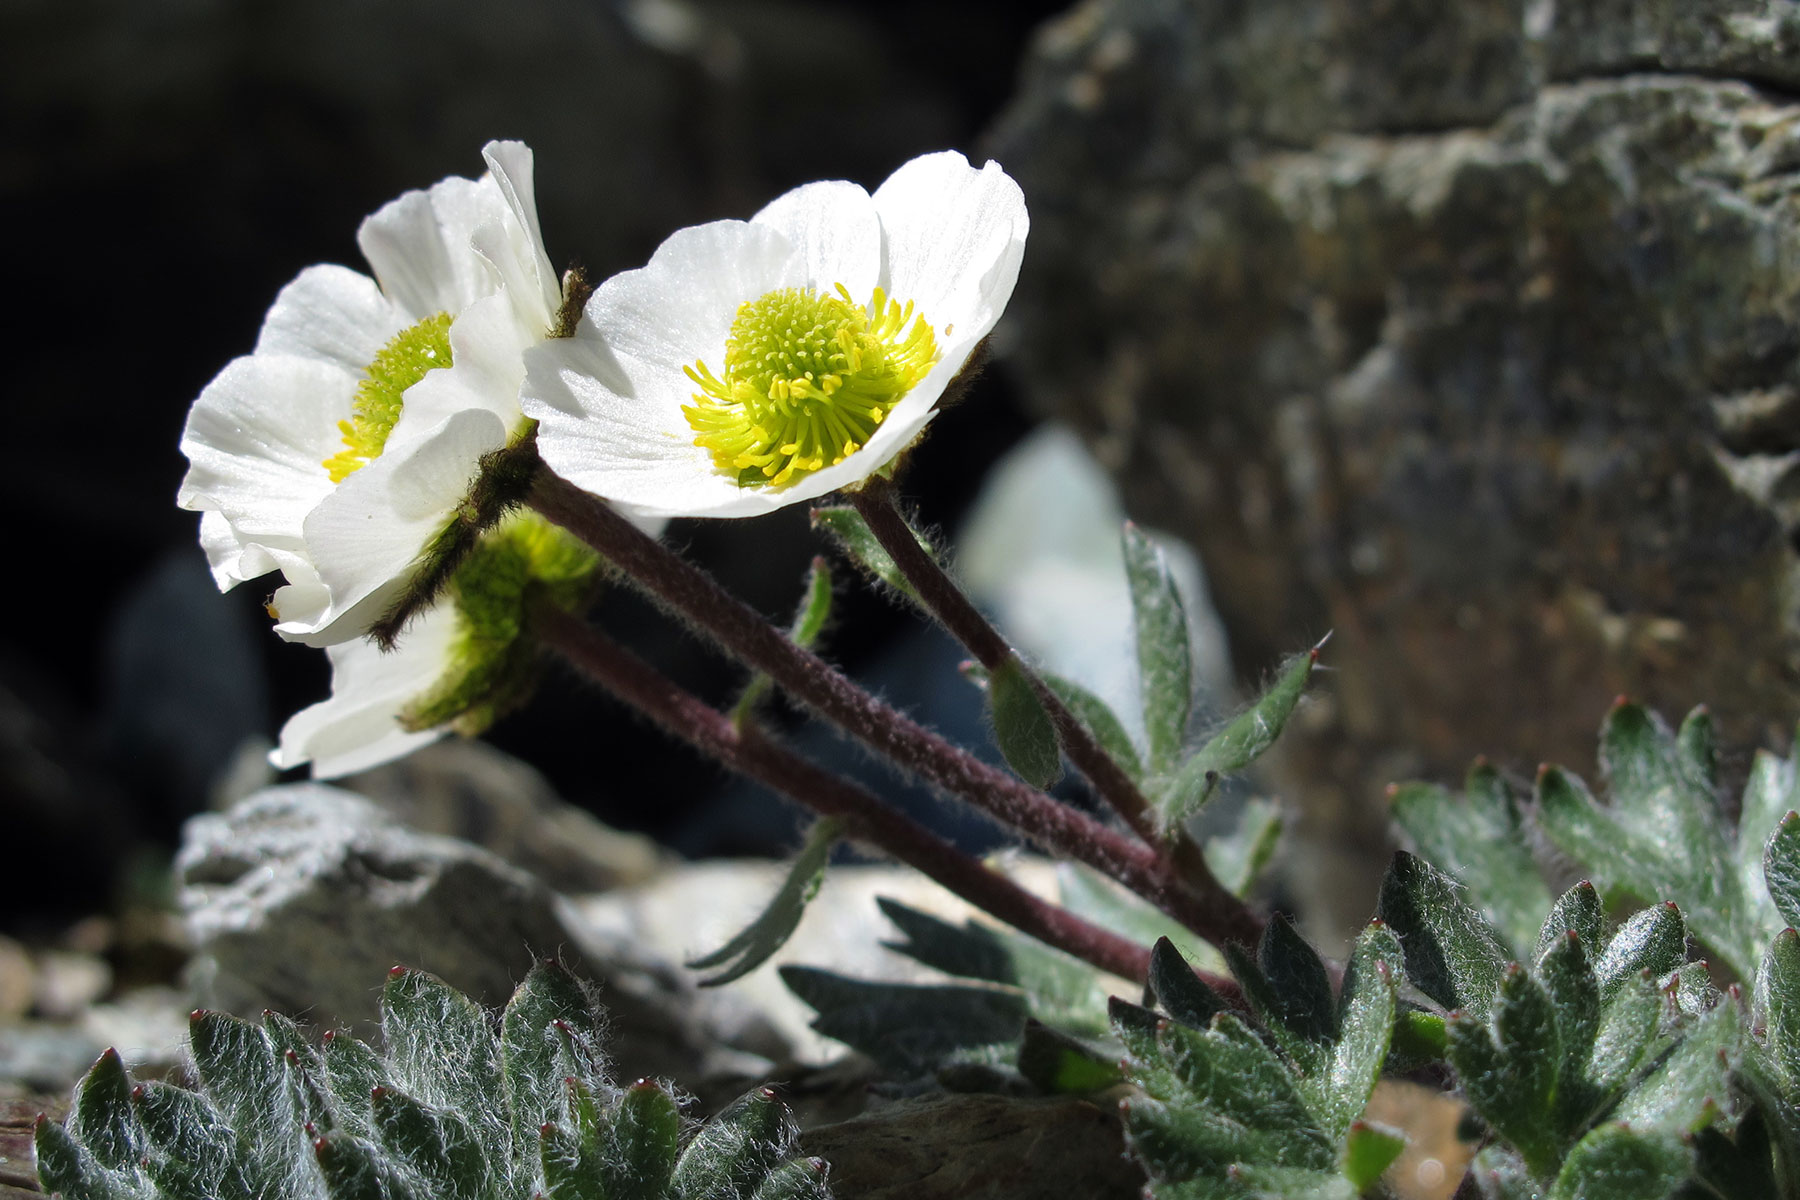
x=491, y=668
x=397, y=366
x=809, y=375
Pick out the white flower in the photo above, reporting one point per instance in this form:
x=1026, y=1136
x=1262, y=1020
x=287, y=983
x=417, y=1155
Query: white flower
x=360, y=725
x=345, y=443
x=753, y=364
x=460, y=664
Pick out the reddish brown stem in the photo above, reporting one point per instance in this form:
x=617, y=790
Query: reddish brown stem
x=742, y=749
x=740, y=631
x=951, y=606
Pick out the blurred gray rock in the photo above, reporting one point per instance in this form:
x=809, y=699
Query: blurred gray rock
x=994, y=1147
x=1467, y=330
x=301, y=897
x=467, y=789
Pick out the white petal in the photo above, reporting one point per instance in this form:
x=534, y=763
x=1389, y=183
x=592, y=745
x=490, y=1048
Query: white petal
x=487, y=350
x=835, y=232
x=257, y=439
x=367, y=535
x=358, y=727
x=953, y=239
x=419, y=246
x=610, y=398
x=224, y=552
x=613, y=446
x=514, y=247
x=333, y=314
x=677, y=308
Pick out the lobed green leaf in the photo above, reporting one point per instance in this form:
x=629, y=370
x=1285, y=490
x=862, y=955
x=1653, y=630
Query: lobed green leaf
x=733, y=1153
x=1022, y=727
x=1616, y=1162
x=1243, y=740
x=1452, y=954
x=762, y=938
x=1479, y=837
x=1164, y=651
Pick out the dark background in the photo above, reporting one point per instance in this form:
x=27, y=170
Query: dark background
x=167, y=168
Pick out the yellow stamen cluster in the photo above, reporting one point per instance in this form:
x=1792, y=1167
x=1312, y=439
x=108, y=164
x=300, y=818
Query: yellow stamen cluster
x=809, y=375
x=397, y=366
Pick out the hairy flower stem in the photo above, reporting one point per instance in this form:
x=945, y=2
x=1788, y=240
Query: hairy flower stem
x=742, y=748
x=1058, y=829
x=876, y=502
x=947, y=602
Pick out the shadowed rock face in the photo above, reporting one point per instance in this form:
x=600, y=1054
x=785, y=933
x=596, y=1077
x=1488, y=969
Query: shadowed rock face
x=1466, y=330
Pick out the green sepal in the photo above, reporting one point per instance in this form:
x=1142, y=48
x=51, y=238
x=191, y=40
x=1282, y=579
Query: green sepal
x=1056, y=1062
x=735, y=1151
x=1420, y=1038
x=1479, y=838
x=101, y=1118
x=493, y=662
x=646, y=1137
x=807, y=627
x=856, y=539
x=1243, y=740
x=1023, y=730
x=1183, y=995
x=502, y=481
x=1452, y=954
x=759, y=941
x=1164, y=650
x=1369, y=1149
x=1616, y=1162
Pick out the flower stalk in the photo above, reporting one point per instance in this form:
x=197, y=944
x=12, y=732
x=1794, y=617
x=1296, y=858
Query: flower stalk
x=741, y=746
x=1212, y=912
x=876, y=503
